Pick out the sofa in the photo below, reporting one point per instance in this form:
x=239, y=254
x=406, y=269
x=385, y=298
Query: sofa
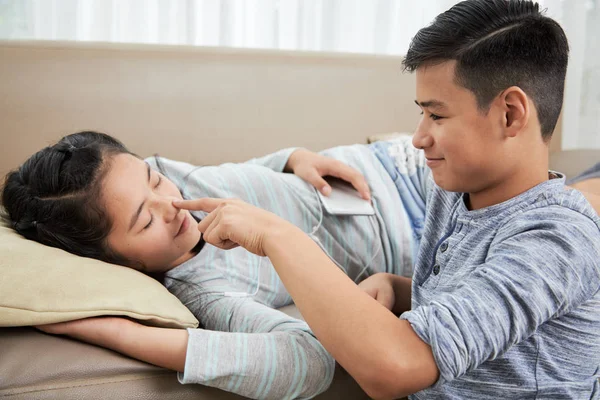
x=200, y=105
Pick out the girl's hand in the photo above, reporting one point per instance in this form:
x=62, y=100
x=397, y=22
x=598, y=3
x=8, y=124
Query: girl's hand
x=233, y=223
x=380, y=287
x=312, y=167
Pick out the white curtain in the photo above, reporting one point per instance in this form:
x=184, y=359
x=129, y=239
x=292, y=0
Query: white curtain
x=581, y=111
x=362, y=26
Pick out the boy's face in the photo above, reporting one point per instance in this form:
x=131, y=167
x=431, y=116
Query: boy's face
x=464, y=147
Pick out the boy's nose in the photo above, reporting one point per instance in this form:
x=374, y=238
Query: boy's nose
x=421, y=139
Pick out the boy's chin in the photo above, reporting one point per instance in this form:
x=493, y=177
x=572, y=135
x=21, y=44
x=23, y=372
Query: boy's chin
x=449, y=184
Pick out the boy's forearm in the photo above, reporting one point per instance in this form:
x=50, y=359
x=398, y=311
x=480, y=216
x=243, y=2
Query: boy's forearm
x=163, y=347
x=375, y=357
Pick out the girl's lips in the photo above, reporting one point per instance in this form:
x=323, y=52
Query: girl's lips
x=184, y=225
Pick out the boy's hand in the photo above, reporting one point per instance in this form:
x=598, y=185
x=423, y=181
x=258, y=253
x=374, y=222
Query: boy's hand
x=381, y=288
x=232, y=222
x=312, y=167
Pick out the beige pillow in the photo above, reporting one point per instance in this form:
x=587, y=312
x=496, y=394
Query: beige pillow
x=42, y=285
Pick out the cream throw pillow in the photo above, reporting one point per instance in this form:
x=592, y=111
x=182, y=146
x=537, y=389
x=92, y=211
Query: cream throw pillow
x=42, y=285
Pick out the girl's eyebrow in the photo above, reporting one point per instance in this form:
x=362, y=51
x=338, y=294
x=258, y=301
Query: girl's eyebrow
x=136, y=215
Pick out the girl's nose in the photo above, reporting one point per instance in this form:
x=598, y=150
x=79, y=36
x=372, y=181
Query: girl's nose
x=168, y=211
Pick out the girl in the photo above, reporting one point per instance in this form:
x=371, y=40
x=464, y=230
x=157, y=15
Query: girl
x=90, y=196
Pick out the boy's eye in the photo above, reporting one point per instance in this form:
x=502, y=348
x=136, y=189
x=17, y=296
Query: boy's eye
x=433, y=116
x=159, y=181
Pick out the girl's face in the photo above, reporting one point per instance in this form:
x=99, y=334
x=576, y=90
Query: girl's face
x=147, y=228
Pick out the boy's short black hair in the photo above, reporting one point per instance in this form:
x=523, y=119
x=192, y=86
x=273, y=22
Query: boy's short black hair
x=498, y=44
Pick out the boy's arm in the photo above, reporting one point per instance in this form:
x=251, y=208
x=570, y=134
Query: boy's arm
x=382, y=353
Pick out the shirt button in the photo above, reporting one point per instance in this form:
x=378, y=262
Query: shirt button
x=436, y=269
x=444, y=247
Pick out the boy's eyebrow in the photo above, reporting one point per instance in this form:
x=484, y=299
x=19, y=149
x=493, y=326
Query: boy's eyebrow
x=136, y=215
x=431, y=104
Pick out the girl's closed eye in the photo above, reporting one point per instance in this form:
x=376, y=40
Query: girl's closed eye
x=149, y=223
x=151, y=217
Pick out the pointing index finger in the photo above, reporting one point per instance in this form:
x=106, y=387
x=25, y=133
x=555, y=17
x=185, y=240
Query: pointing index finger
x=206, y=204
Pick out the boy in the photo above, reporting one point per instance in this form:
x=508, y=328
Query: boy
x=504, y=299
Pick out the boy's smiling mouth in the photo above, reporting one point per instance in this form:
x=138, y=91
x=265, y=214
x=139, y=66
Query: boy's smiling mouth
x=433, y=162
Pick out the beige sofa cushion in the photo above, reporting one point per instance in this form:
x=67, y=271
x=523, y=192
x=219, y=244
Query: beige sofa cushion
x=41, y=285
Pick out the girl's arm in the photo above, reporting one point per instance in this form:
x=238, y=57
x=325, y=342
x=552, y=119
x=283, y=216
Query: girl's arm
x=246, y=347
x=391, y=291
x=312, y=167
x=275, y=161
x=249, y=348
x=268, y=355
x=159, y=346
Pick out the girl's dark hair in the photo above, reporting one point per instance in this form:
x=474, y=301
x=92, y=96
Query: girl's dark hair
x=54, y=197
x=498, y=44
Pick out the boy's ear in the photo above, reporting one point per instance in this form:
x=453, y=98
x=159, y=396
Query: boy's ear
x=515, y=105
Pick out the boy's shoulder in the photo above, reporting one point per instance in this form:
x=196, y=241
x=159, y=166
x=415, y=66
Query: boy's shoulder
x=550, y=215
x=557, y=224
x=551, y=200
x=558, y=207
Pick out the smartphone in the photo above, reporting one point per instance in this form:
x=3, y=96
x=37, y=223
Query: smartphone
x=344, y=199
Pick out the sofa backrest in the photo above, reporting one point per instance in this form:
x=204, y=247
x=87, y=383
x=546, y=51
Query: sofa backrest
x=202, y=105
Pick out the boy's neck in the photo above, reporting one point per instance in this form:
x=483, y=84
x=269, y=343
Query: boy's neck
x=524, y=178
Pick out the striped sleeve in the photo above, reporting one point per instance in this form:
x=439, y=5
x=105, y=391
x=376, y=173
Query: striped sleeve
x=274, y=161
x=255, y=351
